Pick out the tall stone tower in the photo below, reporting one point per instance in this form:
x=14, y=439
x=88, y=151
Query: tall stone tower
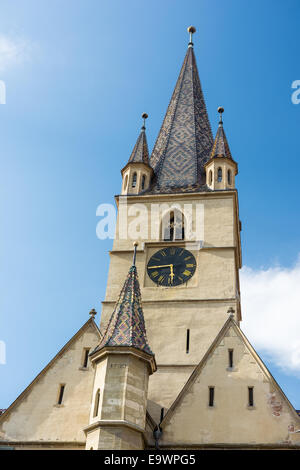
x=186, y=187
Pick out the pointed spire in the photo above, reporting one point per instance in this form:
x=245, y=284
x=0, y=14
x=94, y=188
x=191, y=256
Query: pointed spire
x=140, y=153
x=221, y=147
x=185, y=139
x=127, y=326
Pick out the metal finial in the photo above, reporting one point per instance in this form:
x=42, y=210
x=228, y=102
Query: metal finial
x=144, y=116
x=220, y=111
x=231, y=312
x=135, y=244
x=191, y=31
x=93, y=313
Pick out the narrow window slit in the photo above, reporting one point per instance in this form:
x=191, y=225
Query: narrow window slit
x=86, y=358
x=250, y=396
x=97, y=401
x=187, y=341
x=61, y=394
x=230, y=358
x=211, y=396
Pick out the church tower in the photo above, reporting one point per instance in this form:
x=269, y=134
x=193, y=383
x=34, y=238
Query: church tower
x=210, y=388
x=189, y=237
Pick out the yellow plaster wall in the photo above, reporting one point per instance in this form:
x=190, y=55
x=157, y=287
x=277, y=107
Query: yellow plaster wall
x=38, y=417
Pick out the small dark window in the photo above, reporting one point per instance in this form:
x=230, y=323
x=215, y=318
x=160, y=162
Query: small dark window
x=211, y=396
x=229, y=176
x=143, y=182
x=97, y=401
x=162, y=413
x=210, y=177
x=250, y=396
x=187, y=341
x=230, y=357
x=134, y=180
x=219, y=175
x=61, y=394
x=86, y=358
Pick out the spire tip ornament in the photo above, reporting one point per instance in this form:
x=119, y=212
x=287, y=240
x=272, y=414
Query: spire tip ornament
x=191, y=30
x=135, y=244
x=220, y=111
x=93, y=313
x=144, y=116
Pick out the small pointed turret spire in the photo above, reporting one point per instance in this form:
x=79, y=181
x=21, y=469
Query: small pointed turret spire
x=221, y=147
x=127, y=326
x=140, y=153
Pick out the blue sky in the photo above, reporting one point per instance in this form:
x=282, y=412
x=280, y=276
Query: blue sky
x=78, y=75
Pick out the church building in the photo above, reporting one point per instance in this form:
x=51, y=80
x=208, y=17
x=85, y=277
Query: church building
x=169, y=366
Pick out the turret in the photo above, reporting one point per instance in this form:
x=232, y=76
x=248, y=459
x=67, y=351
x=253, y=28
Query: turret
x=221, y=169
x=136, y=175
x=123, y=362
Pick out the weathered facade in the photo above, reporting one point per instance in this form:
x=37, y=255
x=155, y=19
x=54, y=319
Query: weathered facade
x=205, y=387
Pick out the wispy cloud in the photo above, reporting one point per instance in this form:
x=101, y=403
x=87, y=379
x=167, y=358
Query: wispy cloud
x=14, y=50
x=271, y=313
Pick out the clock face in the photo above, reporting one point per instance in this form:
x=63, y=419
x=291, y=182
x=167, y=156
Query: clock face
x=171, y=266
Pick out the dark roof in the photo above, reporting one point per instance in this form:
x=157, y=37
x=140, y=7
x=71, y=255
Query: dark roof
x=185, y=139
x=220, y=147
x=298, y=411
x=126, y=326
x=140, y=153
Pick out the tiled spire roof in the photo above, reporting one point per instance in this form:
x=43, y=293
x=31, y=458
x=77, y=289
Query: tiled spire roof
x=221, y=147
x=185, y=138
x=127, y=326
x=140, y=153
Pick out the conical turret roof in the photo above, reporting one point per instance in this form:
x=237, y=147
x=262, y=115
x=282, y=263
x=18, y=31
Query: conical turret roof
x=127, y=326
x=221, y=147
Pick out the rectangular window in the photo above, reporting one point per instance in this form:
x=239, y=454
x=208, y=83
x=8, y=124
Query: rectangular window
x=230, y=358
x=85, y=357
x=211, y=396
x=187, y=341
x=250, y=396
x=61, y=394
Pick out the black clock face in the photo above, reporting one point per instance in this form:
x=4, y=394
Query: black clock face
x=171, y=266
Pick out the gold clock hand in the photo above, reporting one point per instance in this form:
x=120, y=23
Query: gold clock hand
x=162, y=266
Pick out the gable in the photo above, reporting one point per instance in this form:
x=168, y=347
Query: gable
x=36, y=415
x=191, y=421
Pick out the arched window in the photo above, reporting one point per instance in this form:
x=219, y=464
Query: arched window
x=173, y=226
x=219, y=175
x=229, y=176
x=97, y=401
x=210, y=177
x=134, y=180
x=143, y=182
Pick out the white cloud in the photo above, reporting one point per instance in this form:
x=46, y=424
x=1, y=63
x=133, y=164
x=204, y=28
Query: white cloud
x=13, y=51
x=271, y=313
